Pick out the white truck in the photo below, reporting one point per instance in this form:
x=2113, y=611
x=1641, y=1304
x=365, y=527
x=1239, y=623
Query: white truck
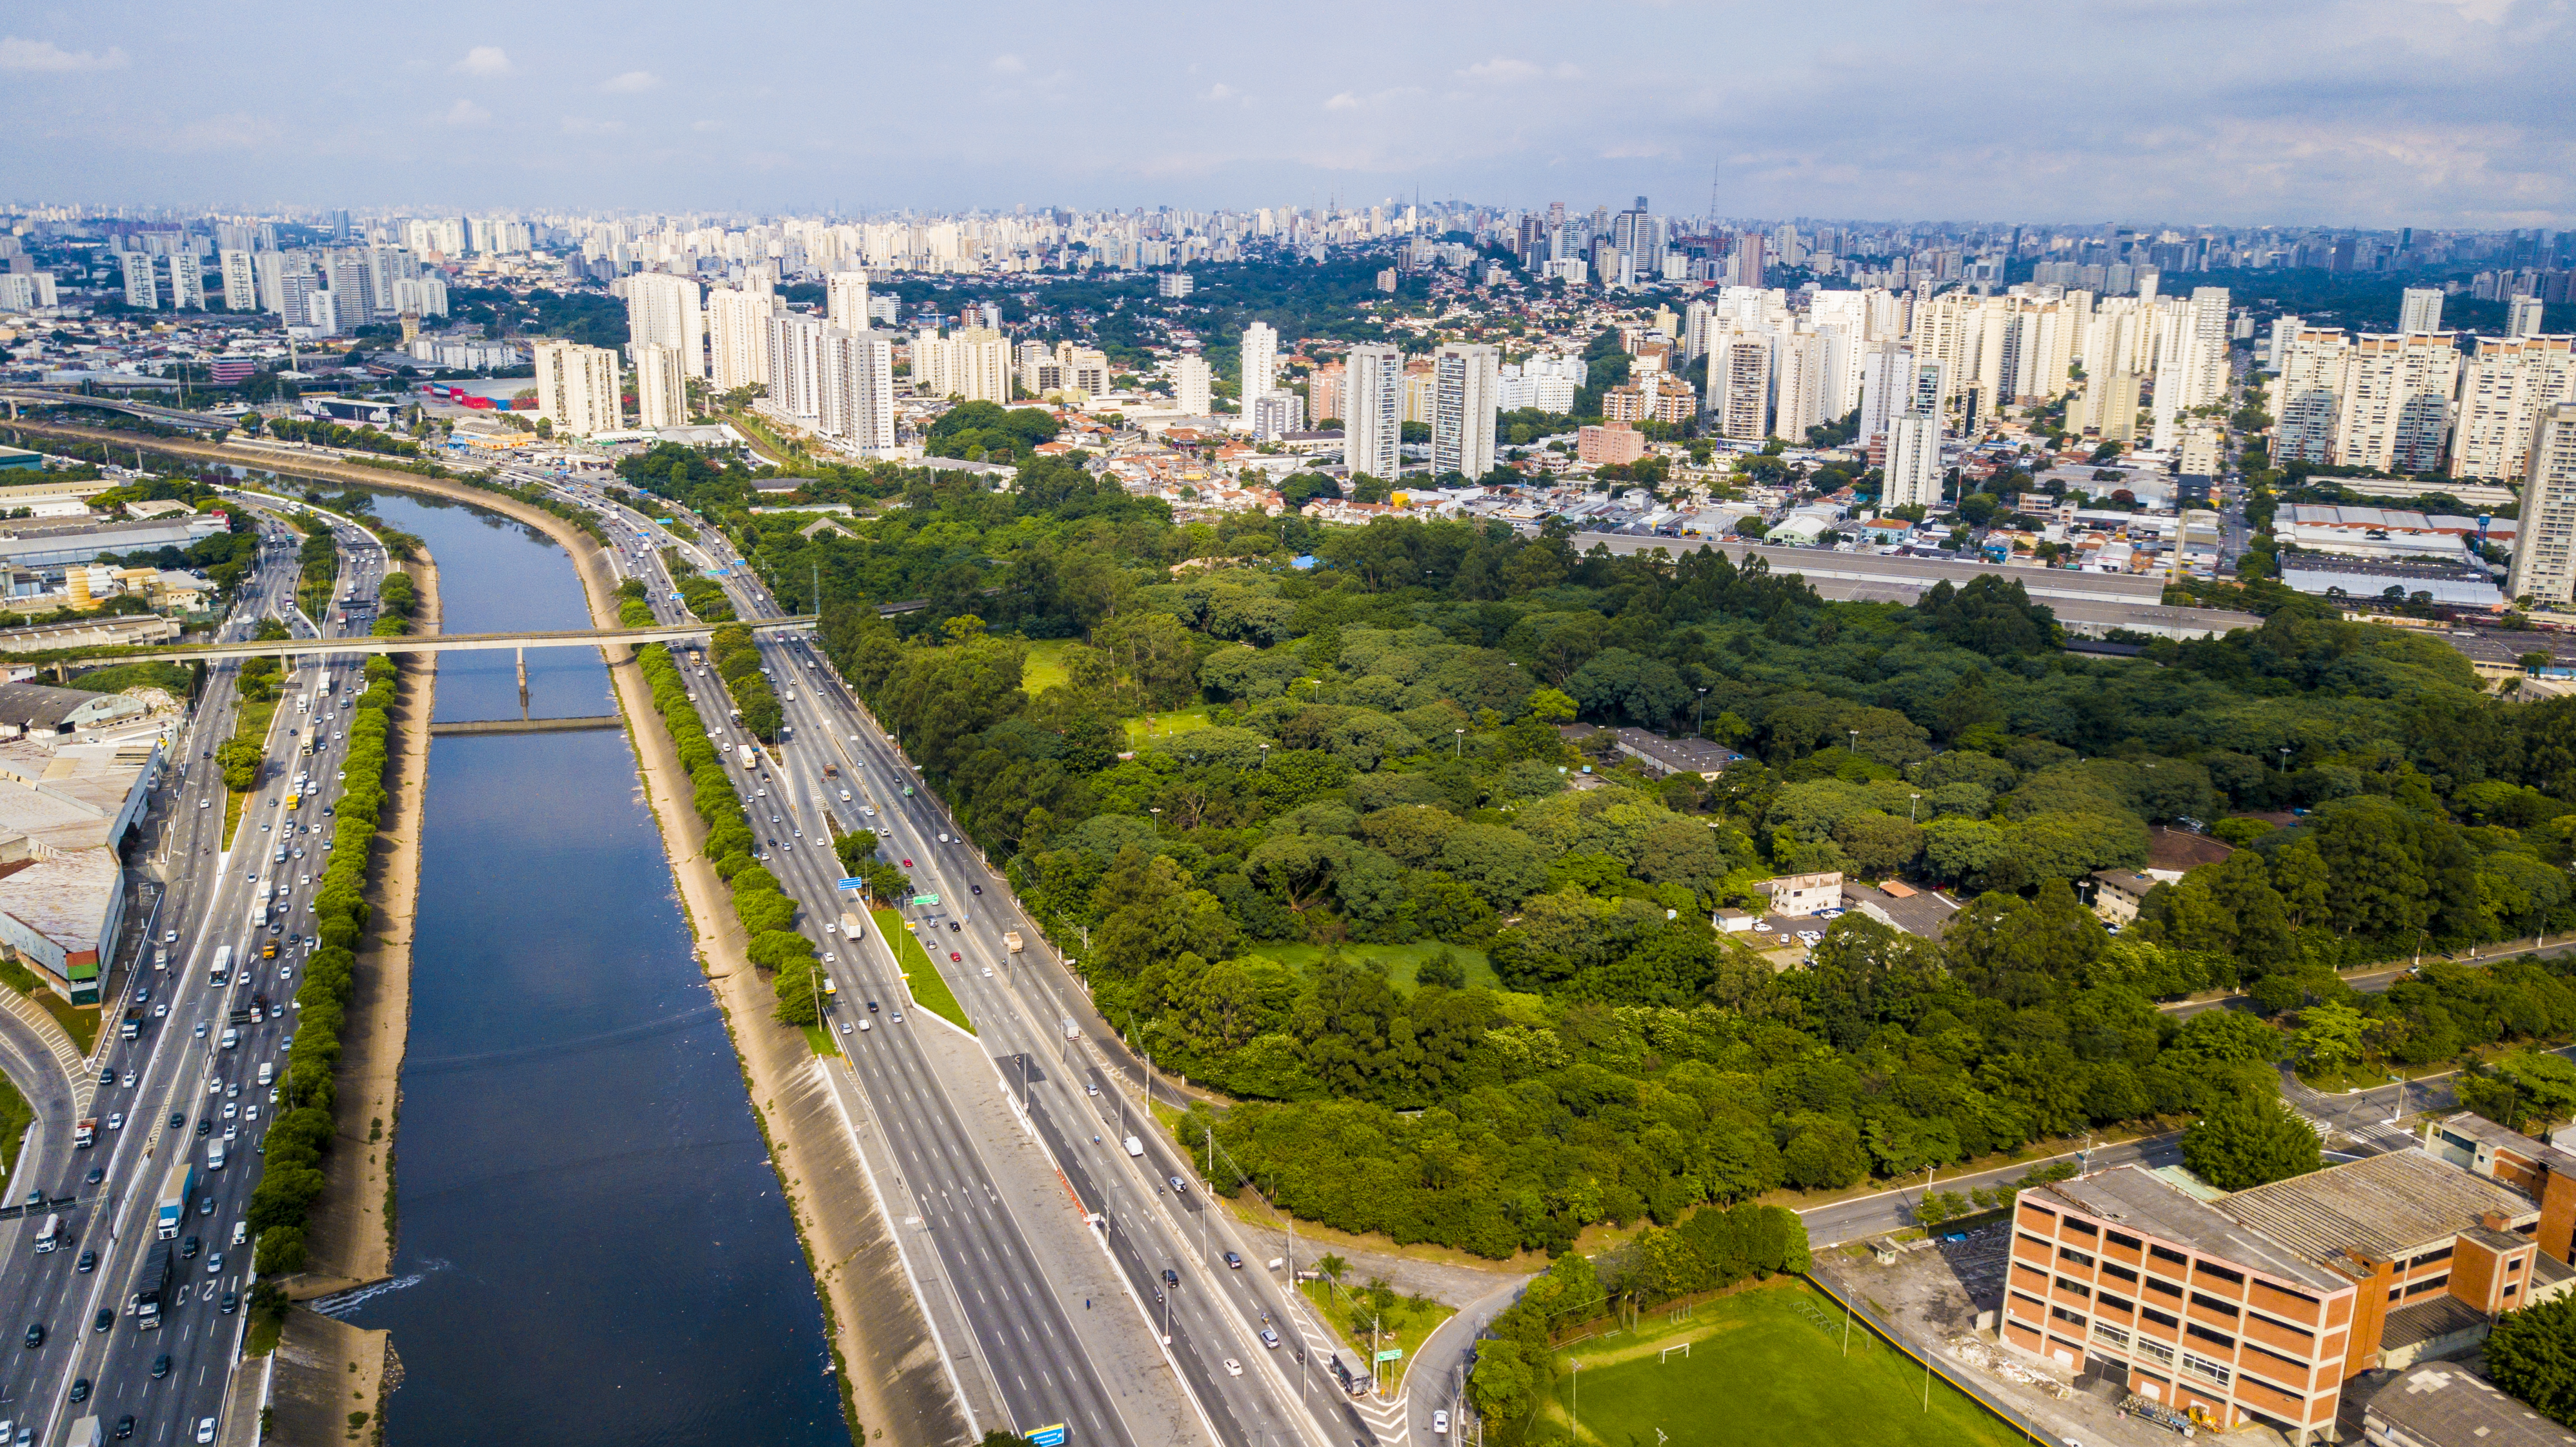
x=1135, y=1147
x=750, y=756
x=1011, y=941
x=850, y=924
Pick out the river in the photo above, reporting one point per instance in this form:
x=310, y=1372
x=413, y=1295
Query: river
x=592, y=1245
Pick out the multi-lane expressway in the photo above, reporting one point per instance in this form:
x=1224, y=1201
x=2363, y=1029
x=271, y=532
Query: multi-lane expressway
x=1213, y=1312
x=174, y=1379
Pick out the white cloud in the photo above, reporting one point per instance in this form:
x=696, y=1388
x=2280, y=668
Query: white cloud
x=1343, y=102
x=483, y=60
x=633, y=82
x=467, y=113
x=585, y=126
x=1222, y=91
x=1008, y=65
x=1501, y=68
x=17, y=54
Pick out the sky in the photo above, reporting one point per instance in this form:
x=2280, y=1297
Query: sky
x=2375, y=113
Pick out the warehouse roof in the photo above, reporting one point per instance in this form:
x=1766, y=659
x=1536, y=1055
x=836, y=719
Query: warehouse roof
x=2383, y=1207
x=2448, y=1405
x=2141, y=1200
x=40, y=705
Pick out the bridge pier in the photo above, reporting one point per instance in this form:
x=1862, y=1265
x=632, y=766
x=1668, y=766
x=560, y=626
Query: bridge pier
x=523, y=683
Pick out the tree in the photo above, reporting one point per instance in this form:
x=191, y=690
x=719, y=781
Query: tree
x=2531, y=1353
x=2250, y=1139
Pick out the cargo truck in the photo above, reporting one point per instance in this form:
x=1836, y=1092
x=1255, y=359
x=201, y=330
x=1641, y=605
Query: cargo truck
x=750, y=756
x=173, y=1206
x=84, y=1434
x=1011, y=941
x=131, y=1027
x=85, y=1134
x=214, y=1155
x=158, y=1268
x=850, y=924
x=49, y=1236
x=223, y=966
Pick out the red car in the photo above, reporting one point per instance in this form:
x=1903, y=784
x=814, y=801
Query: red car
x=907, y=864
x=953, y=959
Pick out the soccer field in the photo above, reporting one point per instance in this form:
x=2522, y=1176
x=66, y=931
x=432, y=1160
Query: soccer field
x=1760, y=1370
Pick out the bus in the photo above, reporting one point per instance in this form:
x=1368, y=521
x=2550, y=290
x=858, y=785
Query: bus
x=223, y=964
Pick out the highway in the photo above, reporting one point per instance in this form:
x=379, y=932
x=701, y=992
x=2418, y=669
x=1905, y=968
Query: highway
x=173, y=1379
x=1019, y=1004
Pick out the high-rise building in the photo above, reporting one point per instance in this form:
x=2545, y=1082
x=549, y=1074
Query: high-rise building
x=352, y=288
x=2522, y=317
x=577, y=388
x=1260, y=363
x=2307, y=396
x=972, y=364
x=241, y=282
x=1912, y=476
x=2504, y=388
x=858, y=389
x=187, y=281
x=1277, y=414
x=1465, y=377
x=1886, y=383
x=2419, y=310
x=1325, y=391
x=738, y=337
x=1800, y=384
x=661, y=387
x=845, y=300
x=2544, y=546
x=1193, y=386
x=142, y=284
x=1739, y=386
x=1373, y=411
x=2395, y=404
x=662, y=310
x=796, y=365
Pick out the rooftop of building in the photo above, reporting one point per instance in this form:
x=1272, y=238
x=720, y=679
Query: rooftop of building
x=60, y=896
x=2446, y=1404
x=2431, y=1319
x=1915, y=911
x=2383, y=1207
x=2171, y=848
x=2138, y=1199
x=2471, y=1126
x=38, y=705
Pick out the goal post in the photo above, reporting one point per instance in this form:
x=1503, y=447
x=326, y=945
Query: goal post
x=1666, y=1354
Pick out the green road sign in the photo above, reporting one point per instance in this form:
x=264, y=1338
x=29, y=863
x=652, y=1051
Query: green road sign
x=1391, y=1354
x=925, y=899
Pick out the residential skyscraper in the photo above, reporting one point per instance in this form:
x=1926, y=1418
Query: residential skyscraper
x=796, y=365
x=662, y=310
x=858, y=389
x=1373, y=411
x=2522, y=315
x=1912, y=476
x=241, y=282
x=2395, y=407
x=1193, y=386
x=2504, y=388
x=2544, y=550
x=738, y=337
x=845, y=300
x=142, y=284
x=972, y=364
x=1465, y=380
x=1886, y=382
x=1260, y=363
x=1739, y=386
x=187, y=282
x=577, y=388
x=661, y=387
x=2420, y=310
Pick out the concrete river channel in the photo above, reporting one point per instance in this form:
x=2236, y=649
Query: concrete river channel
x=592, y=1246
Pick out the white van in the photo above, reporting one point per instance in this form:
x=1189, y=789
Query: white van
x=267, y=1071
x=241, y=1232
x=50, y=1235
x=214, y=1155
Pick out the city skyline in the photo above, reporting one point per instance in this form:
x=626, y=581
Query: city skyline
x=2358, y=114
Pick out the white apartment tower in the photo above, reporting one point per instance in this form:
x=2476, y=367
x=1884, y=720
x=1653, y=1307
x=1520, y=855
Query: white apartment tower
x=1913, y=473
x=2396, y=402
x=972, y=364
x=1466, y=379
x=241, y=282
x=2522, y=317
x=2504, y=388
x=738, y=337
x=845, y=300
x=661, y=387
x=2307, y=396
x=2420, y=310
x=1801, y=384
x=796, y=365
x=577, y=388
x=1373, y=411
x=662, y=311
x=1260, y=363
x=1193, y=386
x=1739, y=387
x=858, y=389
x=2544, y=552
x=142, y=288
x=1886, y=384
x=187, y=282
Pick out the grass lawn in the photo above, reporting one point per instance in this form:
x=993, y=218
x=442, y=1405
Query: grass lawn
x=1180, y=721
x=78, y=1021
x=1401, y=961
x=250, y=721
x=15, y=1116
x=1044, y=668
x=1760, y=1371
x=820, y=1038
x=1401, y=1326
x=929, y=990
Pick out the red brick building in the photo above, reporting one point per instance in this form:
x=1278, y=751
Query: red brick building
x=2258, y=1306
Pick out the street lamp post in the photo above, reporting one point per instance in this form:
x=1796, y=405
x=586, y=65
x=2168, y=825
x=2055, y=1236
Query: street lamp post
x=1699, y=712
x=1910, y=801
x=1458, y=744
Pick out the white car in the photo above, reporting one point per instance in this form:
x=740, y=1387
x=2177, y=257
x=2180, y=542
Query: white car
x=863, y=1025
x=1440, y=1423
x=205, y=1429
x=116, y=1120
x=1233, y=1368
